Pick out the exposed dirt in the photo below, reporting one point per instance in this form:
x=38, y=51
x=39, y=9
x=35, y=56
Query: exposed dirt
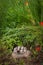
x=6, y=59
x=22, y=61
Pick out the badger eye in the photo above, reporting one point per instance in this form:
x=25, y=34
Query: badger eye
x=18, y=51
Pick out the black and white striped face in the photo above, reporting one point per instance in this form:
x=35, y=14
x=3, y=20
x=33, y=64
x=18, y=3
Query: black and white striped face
x=20, y=49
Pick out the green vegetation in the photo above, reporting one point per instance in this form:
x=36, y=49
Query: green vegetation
x=19, y=24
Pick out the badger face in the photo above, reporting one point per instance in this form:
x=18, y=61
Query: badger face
x=20, y=49
x=20, y=52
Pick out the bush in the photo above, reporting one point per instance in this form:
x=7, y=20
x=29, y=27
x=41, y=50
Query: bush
x=22, y=36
